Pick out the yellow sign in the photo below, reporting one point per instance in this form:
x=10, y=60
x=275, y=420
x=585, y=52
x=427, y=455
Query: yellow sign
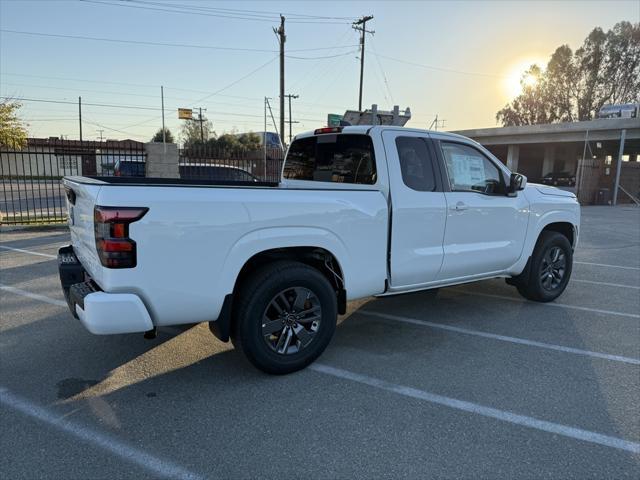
x=185, y=113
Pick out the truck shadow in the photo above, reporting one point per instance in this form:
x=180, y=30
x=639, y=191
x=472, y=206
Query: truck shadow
x=181, y=376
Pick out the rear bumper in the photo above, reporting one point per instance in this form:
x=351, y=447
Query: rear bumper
x=101, y=313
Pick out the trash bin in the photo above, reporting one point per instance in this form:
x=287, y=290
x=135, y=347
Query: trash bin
x=603, y=197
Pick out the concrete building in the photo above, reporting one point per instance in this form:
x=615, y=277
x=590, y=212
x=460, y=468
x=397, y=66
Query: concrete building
x=589, y=149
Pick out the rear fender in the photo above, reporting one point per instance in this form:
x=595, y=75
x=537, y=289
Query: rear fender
x=261, y=240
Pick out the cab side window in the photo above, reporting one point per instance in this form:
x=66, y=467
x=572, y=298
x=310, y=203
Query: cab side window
x=416, y=164
x=470, y=171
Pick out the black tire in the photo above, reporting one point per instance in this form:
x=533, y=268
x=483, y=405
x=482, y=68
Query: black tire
x=540, y=281
x=255, y=301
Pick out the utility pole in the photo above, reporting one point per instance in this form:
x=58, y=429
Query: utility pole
x=361, y=26
x=80, y=115
x=290, y=96
x=436, y=123
x=100, y=132
x=264, y=139
x=201, y=127
x=282, y=38
x=616, y=184
x=274, y=122
x=164, y=136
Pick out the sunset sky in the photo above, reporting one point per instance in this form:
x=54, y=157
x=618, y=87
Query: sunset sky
x=458, y=59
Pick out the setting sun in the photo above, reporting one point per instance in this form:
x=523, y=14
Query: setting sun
x=512, y=80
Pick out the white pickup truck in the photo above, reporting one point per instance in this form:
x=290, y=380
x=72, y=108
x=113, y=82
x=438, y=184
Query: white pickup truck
x=359, y=211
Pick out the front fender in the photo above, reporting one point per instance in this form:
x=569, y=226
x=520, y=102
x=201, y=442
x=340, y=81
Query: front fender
x=539, y=220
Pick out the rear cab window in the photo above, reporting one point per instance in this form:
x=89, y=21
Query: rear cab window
x=416, y=164
x=336, y=158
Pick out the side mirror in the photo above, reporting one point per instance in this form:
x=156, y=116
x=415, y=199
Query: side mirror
x=516, y=182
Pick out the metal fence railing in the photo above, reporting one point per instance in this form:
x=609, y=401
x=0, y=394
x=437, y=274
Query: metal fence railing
x=204, y=162
x=32, y=193
x=31, y=190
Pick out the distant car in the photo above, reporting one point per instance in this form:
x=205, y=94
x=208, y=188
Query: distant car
x=225, y=173
x=124, y=168
x=192, y=171
x=567, y=179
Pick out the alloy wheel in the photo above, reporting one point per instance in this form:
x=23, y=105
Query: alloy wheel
x=291, y=320
x=553, y=268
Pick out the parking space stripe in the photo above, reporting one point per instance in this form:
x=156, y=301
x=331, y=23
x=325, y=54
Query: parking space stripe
x=153, y=464
x=606, y=284
x=550, y=304
x=503, y=338
x=624, y=267
x=462, y=405
x=28, y=251
x=35, y=296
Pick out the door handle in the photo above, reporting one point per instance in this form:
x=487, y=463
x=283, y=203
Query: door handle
x=459, y=207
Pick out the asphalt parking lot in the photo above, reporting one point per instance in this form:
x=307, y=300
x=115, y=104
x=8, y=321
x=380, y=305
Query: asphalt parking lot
x=472, y=383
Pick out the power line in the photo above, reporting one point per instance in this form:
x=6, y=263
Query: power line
x=160, y=44
x=237, y=81
x=183, y=100
x=265, y=13
x=105, y=82
x=197, y=101
x=320, y=61
x=108, y=105
x=104, y=92
x=442, y=69
x=384, y=75
x=323, y=57
x=132, y=107
x=183, y=9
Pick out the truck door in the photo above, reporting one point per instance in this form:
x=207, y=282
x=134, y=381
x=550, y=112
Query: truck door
x=418, y=208
x=485, y=229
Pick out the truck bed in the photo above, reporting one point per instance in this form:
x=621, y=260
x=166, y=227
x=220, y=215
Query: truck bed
x=196, y=236
x=149, y=182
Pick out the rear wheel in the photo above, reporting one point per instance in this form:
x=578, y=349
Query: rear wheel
x=549, y=270
x=285, y=317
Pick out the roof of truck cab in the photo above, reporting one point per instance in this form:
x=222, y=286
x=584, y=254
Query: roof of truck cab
x=366, y=129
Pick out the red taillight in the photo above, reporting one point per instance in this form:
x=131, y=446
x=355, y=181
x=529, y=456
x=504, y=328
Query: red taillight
x=318, y=131
x=111, y=224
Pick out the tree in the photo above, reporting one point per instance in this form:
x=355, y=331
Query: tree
x=228, y=141
x=575, y=85
x=235, y=142
x=192, y=135
x=250, y=141
x=158, y=136
x=13, y=132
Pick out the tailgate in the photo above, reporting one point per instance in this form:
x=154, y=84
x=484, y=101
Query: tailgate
x=81, y=198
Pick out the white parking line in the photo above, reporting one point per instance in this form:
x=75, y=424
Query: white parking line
x=155, y=465
x=606, y=284
x=550, y=304
x=462, y=405
x=34, y=296
x=607, y=265
x=28, y=251
x=503, y=338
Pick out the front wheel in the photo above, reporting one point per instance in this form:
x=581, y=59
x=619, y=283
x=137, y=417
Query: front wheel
x=549, y=270
x=285, y=317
